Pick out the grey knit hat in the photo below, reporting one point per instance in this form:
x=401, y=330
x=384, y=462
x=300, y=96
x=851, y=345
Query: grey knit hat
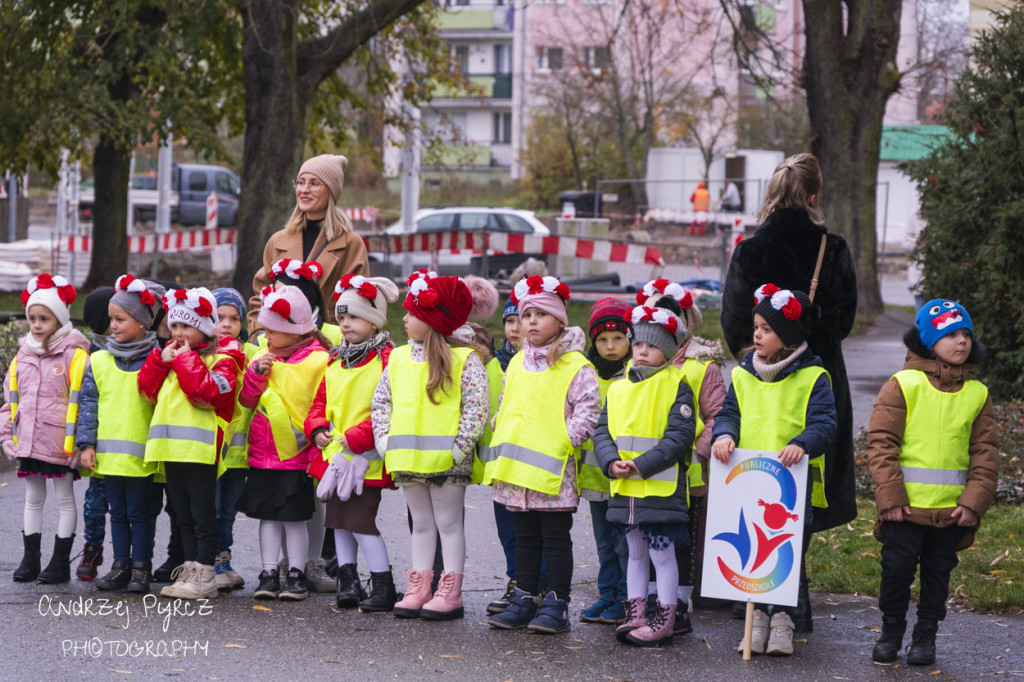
x=330, y=168
x=139, y=298
x=659, y=326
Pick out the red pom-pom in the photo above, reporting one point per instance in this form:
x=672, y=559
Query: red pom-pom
x=415, y=276
x=204, y=309
x=687, y=301
x=67, y=294
x=147, y=297
x=535, y=283
x=266, y=291
x=124, y=281
x=427, y=299
x=791, y=311
x=640, y=297
x=180, y=295
x=672, y=326
x=368, y=290
x=44, y=281
x=282, y=308
x=769, y=290
x=25, y=296
x=316, y=269
x=563, y=291
x=661, y=283
x=346, y=281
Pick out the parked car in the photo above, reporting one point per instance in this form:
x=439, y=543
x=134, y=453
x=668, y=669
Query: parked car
x=461, y=261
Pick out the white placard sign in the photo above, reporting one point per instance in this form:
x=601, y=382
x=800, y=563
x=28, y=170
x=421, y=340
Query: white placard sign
x=755, y=528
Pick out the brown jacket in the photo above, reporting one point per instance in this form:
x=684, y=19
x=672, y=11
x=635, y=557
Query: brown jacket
x=345, y=255
x=885, y=437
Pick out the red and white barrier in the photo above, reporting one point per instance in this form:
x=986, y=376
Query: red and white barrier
x=175, y=242
x=211, y=211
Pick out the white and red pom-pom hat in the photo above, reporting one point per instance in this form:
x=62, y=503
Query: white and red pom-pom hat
x=545, y=293
x=365, y=297
x=787, y=312
x=287, y=310
x=194, y=307
x=137, y=297
x=656, y=288
x=52, y=292
x=659, y=327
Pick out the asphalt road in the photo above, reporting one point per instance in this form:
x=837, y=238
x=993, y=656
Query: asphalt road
x=230, y=639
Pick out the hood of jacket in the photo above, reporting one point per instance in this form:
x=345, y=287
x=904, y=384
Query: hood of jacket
x=946, y=377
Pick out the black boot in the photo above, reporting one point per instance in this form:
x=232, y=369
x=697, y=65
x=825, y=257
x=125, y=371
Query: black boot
x=350, y=590
x=28, y=570
x=92, y=558
x=739, y=610
x=140, y=579
x=802, y=621
x=382, y=593
x=119, y=576
x=888, y=646
x=922, y=646
x=59, y=568
x=163, y=572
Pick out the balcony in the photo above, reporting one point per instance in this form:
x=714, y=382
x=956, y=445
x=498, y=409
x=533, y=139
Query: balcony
x=473, y=154
x=476, y=18
x=494, y=86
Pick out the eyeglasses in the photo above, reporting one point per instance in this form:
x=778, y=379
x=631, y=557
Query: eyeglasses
x=312, y=185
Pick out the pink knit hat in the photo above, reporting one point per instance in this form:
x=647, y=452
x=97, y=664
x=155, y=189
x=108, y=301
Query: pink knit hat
x=545, y=293
x=330, y=168
x=287, y=310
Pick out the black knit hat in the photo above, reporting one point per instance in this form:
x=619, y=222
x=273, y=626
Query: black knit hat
x=95, y=310
x=790, y=314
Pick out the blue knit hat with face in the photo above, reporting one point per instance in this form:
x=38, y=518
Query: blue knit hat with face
x=939, y=317
x=229, y=296
x=510, y=310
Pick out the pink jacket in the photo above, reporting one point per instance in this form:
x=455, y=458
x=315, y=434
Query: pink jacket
x=262, y=450
x=42, y=402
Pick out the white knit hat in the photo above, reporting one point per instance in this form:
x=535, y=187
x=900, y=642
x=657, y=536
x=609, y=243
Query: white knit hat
x=365, y=297
x=52, y=292
x=194, y=307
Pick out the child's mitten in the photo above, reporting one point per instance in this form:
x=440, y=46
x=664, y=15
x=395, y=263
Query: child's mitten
x=358, y=467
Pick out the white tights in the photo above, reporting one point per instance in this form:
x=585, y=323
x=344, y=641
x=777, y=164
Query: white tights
x=437, y=511
x=374, y=549
x=638, y=571
x=35, y=496
x=270, y=543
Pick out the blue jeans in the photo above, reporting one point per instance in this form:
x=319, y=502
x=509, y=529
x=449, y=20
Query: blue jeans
x=94, y=510
x=612, y=554
x=131, y=519
x=507, y=537
x=229, y=489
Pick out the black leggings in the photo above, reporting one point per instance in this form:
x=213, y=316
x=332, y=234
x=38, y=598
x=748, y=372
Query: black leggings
x=192, y=490
x=547, y=533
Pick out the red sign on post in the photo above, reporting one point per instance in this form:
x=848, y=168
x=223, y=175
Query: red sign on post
x=211, y=211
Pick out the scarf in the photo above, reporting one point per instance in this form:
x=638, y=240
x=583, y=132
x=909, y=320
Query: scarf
x=133, y=349
x=768, y=372
x=504, y=354
x=638, y=373
x=54, y=340
x=352, y=354
x=607, y=369
x=288, y=351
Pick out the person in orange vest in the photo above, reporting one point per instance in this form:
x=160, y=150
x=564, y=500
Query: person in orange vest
x=699, y=201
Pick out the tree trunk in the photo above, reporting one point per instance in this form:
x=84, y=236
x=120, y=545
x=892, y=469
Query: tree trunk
x=849, y=78
x=111, y=166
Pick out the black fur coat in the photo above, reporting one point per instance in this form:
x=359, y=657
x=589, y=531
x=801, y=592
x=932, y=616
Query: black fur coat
x=783, y=251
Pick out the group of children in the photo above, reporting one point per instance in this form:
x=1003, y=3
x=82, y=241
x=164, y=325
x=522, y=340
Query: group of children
x=305, y=424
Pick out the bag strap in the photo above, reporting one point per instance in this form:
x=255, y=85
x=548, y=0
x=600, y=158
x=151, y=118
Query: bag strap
x=817, y=268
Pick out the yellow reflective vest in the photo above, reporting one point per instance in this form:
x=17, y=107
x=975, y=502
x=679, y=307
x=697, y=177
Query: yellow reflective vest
x=773, y=413
x=935, y=453
x=235, y=451
x=349, y=393
x=530, y=446
x=693, y=374
x=637, y=419
x=76, y=372
x=122, y=420
x=590, y=476
x=288, y=397
x=495, y=383
x=422, y=434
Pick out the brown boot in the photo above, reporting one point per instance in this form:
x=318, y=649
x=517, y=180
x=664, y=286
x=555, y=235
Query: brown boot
x=447, y=601
x=416, y=595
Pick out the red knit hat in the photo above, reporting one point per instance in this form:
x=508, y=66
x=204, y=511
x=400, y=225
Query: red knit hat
x=444, y=303
x=609, y=315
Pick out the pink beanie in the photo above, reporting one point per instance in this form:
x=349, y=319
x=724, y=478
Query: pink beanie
x=330, y=168
x=287, y=310
x=545, y=293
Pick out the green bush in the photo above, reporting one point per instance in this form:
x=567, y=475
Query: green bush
x=971, y=189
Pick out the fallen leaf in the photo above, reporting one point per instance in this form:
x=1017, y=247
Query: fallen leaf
x=935, y=672
x=873, y=556
x=451, y=656
x=260, y=607
x=336, y=662
x=573, y=648
x=123, y=672
x=999, y=558
x=236, y=646
x=421, y=657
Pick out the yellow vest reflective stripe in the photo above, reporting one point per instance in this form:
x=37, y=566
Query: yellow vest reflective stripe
x=694, y=372
x=75, y=374
x=773, y=413
x=530, y=446
x=288, y=397
x=122, y=420
x=495, y=383
x=637, y=418
x=349, y=393
x=179, y=431
x=935, y=455
x=590, y=476
x=422, y=434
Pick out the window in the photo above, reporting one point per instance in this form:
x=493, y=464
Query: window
x=503, y=58
x=516, y=224
x=439, y=222
x=460, y=55
x=549, y=58
x=197, y=181
x=595, y=56
x=477, y=221
x=227, y=184
x=502, y=128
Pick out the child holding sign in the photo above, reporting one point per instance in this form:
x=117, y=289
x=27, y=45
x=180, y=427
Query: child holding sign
x=780, y=400
x=934, y=460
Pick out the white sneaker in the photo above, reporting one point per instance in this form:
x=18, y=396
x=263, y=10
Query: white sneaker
x=317, y=579
x=780, y=642
x=758, y=633
x=180, y=575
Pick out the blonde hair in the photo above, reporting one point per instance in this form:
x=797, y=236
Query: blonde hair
x=555, y=349
x=335, y=223
x=437, y=352
x=793, y=183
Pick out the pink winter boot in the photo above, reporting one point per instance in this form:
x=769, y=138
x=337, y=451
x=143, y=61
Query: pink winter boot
x=658, y=629
x=634, y=618
x=417, y=594
x=447, y=601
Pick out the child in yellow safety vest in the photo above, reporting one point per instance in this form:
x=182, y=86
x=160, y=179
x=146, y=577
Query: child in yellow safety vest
x=934, y=459
x=278, y=386
x=549, y=406
x=429, y=410
x=339, y=424
x=113, y=426
x=611, y=337
x=780, y=400
x=642, y=443
x=38, y=417
x=700, y=360
x=192, y=383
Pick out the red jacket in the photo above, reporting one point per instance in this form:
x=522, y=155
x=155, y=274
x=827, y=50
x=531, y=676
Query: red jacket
x=204, y=388
x=359, y=437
